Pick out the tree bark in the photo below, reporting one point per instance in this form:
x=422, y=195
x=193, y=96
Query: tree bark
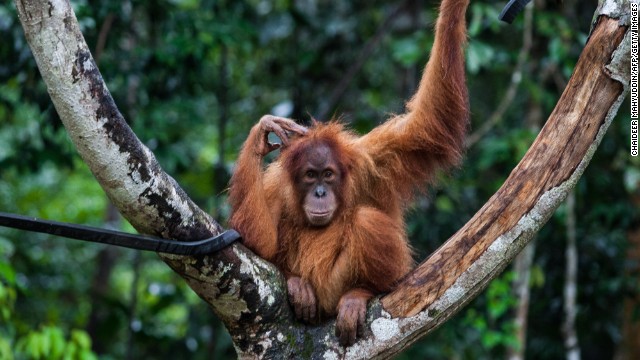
x=246, y=292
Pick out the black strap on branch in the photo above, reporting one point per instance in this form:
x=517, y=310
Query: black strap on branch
x=111, y=237
x=512, y=9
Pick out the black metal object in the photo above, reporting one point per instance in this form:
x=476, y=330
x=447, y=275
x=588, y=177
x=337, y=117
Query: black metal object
x=118, y=238
x=512, y=9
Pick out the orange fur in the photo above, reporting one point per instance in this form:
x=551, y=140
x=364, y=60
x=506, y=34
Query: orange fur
x=364, y=250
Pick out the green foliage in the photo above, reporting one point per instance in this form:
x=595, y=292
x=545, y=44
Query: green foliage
x=494, y=326
x=7, y=289
x=479, y=55
x=192, y=77
x=50, y=343
x=409, y=51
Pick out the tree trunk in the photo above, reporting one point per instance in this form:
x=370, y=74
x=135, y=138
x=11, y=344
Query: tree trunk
x=246, y=292
x=571, y=345
x=522, y=290
x=100, y=285
x=629, y=347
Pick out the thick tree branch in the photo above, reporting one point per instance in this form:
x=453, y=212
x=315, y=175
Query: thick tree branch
x=465, y=264
x=240, y=287
x=246, y=292
x=126, y=169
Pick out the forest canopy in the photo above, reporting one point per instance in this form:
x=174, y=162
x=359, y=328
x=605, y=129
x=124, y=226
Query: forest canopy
x=192, y=77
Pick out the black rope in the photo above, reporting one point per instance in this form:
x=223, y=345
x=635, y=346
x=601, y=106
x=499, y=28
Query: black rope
x=512, y=9
x=117, y=238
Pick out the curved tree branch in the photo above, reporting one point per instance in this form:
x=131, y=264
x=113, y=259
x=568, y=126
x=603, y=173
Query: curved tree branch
x=240, y=287
x=247, y=293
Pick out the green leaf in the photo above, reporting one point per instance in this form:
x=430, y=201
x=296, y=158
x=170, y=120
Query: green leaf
x=6, y=247
x=478, y=56
x=491, y=339
x=409, y=51
x=56, y=337
x=5, y=349
x=33, y=346
x=7, y=273
x=475, y=25
x=87, y=355
x=81, y=338
x=70, y=351
x=406, y=51
x=444, y=203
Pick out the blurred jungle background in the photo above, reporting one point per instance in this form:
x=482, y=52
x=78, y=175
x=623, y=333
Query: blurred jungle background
x=192, y=77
